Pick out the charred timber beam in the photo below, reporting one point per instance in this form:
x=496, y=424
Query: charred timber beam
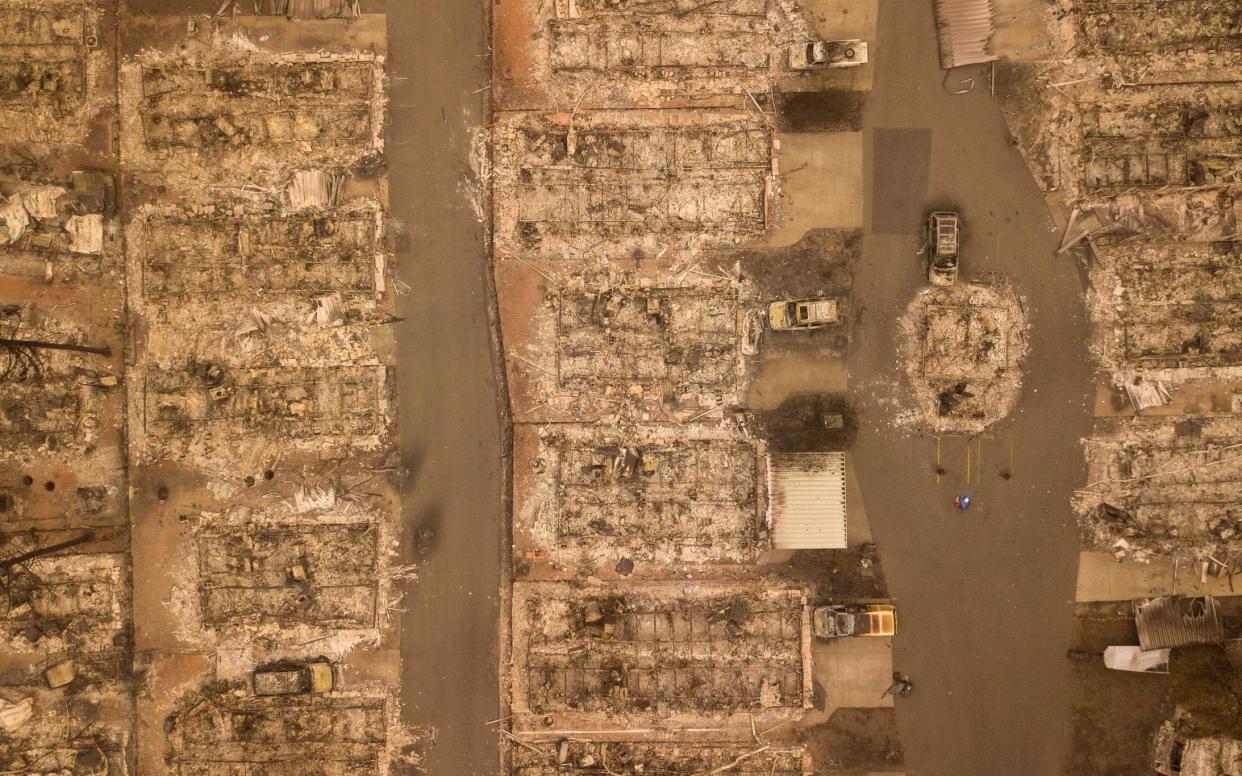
x=44, y=345
x=81, y=538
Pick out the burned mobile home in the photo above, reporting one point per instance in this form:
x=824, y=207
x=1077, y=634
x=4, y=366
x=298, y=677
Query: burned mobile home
x=57, y=73
x=650, y=494
x=292, y=575
x=608, y=342
x=1162, y=485
x=629, y=183
x=218, y=108
x=551, y=53
x=602, y=657
x=340, y=732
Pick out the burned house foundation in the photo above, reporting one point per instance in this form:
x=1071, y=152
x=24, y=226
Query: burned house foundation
x=602, y=658
x=610, y=343
x=656, y=494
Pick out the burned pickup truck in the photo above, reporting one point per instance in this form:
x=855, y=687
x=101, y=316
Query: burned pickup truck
x=841, y=620
x=294, y=678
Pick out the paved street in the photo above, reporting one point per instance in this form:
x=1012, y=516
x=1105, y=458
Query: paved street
x=450, y=428
x=985, y=596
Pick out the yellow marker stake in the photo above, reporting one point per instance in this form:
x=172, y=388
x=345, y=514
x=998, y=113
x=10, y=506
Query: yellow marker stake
x=979, y=463
x=967, y=461
x=937, y=459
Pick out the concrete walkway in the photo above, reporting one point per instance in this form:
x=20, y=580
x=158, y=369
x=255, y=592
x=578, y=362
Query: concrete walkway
x=450, y=426
x=985, y=596
x=1102, y=578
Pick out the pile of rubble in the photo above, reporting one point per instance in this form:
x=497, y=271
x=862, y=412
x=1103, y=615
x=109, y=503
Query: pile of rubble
x=579, y=757
x=963, y=346
x=1131, y=130
x=608, y=656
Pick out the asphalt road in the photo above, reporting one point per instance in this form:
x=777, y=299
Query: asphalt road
x=985, y=596
x=449, y=417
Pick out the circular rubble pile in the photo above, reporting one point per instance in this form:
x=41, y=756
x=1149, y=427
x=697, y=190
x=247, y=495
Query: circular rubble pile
x=962, y=347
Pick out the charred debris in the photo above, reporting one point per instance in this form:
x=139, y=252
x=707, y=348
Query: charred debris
x=199, y=522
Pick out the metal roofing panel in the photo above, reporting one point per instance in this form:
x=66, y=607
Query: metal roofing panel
x=1212, y=757
x=1176, y=621
x=964, y=29
x=806, y=501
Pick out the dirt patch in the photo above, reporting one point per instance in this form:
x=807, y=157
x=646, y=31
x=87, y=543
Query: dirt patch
x=856, y=740
x=820, y=264
x=1115, y=713
x=810, y=422
x=833, y=110
x=838, y=574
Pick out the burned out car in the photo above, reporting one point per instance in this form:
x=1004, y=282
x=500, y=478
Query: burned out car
x=294, y=678
x=841, y=620
x=804, y=313
x=832, y=53
x=943, y=236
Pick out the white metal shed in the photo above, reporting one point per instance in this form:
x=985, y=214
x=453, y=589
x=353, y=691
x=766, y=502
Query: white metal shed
x=965, y=29
x=806, y=501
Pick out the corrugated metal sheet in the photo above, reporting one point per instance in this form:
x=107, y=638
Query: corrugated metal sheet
x=316, y=9
x=965, y=29
x=806, y=500
x=1176, y=621
x=1212, y=757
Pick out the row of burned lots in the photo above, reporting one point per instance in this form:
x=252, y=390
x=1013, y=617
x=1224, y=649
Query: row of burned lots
x=260, y=412
x=65, y=606
x=635, y=161
x=584, y=756
x=1136, y=145
x=620, y=53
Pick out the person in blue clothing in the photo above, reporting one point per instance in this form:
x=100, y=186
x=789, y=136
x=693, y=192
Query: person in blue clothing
x=962, y=501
